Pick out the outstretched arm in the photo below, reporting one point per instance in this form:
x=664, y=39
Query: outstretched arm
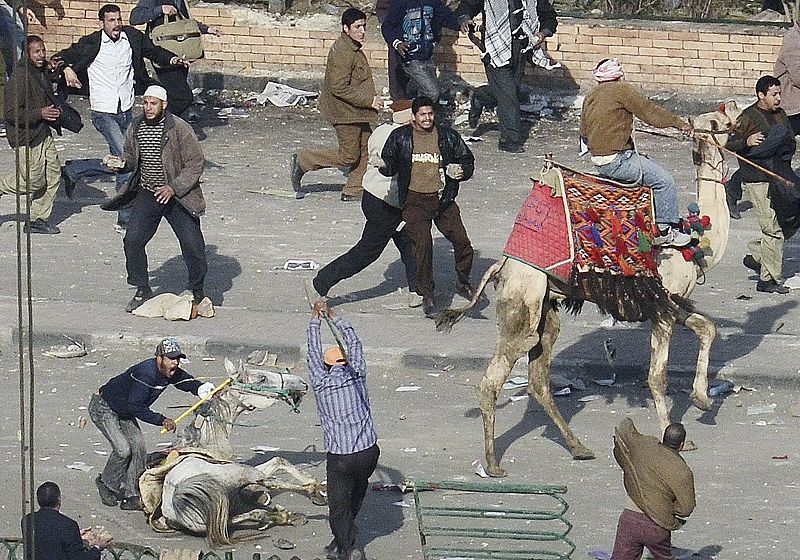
x=355, y=352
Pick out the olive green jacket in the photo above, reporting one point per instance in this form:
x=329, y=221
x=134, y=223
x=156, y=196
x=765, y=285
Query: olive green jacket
x=348, y=89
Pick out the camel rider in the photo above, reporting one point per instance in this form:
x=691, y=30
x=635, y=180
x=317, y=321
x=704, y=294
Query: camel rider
x=607, y=127
x=117, y=406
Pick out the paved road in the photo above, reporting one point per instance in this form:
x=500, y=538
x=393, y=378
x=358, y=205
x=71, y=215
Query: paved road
x=79, y=289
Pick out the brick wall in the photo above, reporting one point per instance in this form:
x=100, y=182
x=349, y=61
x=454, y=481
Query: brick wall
x=684, y=57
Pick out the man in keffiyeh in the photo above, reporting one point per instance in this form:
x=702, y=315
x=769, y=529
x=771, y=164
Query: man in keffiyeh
x=511, y=30
x=607, y=128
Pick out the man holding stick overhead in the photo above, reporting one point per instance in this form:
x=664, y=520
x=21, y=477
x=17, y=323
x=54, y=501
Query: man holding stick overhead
x=338, y=378
x=117, y=406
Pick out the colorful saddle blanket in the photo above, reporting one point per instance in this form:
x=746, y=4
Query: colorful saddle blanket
x=585, y=224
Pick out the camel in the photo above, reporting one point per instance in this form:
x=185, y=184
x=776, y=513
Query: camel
x=528, y=300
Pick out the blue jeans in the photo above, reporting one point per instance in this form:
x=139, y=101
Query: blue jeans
x=630, y=167
x=8, y=22
x=422, y=75
x=113, y=127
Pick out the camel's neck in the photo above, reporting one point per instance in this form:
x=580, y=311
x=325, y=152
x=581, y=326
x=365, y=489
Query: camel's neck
x=711, y=200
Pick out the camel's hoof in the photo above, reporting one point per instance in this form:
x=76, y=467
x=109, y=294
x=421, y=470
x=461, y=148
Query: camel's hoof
x=703, y=402
x=495, y=471
x=582, y=453
x=689, y=445
x=297, y=519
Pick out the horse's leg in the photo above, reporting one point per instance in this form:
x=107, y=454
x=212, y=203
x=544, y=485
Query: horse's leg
x=706, y=332
x=266, y=518
x=305, y=482
x=539, y=361
x=660, y=338
x=519, y=310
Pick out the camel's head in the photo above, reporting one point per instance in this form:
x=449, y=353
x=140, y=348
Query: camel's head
x=712, y=129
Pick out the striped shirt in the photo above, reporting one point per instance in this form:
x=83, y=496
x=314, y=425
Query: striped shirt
x=341, y=393
x=151, y=166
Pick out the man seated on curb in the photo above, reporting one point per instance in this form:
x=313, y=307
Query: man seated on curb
x=123, y=400
x=607, y=126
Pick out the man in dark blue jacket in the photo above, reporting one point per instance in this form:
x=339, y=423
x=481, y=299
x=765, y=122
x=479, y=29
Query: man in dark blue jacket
x=430, y=162
x=117, y=406
x=56, y=536
x=412, y=28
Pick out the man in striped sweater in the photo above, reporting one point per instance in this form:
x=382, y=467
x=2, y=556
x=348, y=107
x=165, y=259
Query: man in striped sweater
x=340, y=386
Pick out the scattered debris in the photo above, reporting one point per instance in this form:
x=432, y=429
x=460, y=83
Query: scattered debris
x=283, y=544
x=299, y=264
x=610, y=350
x=562, y=392
x=559, y=381
x=74, y=350
x=780, y=457
x=589, y=398
x=173, y=307
x=720, y=388
x=409, y=450
x=608, y=322
x=479, y=470
x=82, y=422
x=406, y=389
x=282, y=95
x=600, y=554
x=605, y=382
x=384, y=486
x=402, y=504
x=761, y=409
x=80, y=466
x=264, y=449
x=744, y=297
x=233, y=113
x=792, y=283
x=262, y=358
x=515, y=398
x=515, y=383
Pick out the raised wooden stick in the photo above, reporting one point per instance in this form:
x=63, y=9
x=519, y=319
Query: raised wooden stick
x=331, y=326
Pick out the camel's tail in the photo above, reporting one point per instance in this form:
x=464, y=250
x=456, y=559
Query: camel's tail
x=449, y=317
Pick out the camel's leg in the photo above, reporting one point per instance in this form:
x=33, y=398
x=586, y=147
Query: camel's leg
x=539, y=361
x=660, y=338
x=706, y=332
x=519, y=311
x=305, y=482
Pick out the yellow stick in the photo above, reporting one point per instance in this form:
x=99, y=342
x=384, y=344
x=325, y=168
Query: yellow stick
x=201, y=401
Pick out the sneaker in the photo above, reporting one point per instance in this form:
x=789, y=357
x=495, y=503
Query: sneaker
x=671, y=237
x=192, y=116
x=108, y=497
x=475, y=111
x=120, y=228
x=2, y=130
x=750, y=262
x=41, y=226
x=132, y=503
x=414, y=299
x=296, y=175
x=733, y=208
x=464, y=289
x=771, y=287
x=143, y=293
x=331, y=551
x=428, y=306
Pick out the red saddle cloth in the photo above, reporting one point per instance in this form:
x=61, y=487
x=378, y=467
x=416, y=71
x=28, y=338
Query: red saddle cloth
x=594, y=226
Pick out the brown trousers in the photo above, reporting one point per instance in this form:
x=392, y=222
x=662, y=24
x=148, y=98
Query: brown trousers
x=352, y=153
x=419, y=212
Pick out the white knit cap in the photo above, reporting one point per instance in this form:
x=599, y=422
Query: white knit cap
x=156, y=91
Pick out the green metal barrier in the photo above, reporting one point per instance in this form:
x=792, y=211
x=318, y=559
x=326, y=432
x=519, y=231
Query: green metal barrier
x=497, y=530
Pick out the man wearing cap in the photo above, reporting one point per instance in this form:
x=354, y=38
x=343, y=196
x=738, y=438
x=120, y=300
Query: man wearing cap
x=339, y=381
x=111, y=63
x=381, y=207
x=165, y=157
x=123, y=400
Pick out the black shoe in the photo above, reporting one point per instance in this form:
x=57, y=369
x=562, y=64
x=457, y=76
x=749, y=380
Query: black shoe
x=350, y=197
x=511, y=148
x=428, y=306
x=733, y=209
x=41, y=226
x=108, y=497
x=69, y=184
x=198, y=295
x=475, y=111
x=133, y=503
x=771, y=287
x=296, y=174
x=464, y=289
x=143, y=293
x=331, y=551
x=749, y=262
x=191, y=116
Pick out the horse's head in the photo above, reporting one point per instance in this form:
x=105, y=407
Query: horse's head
x=712, y=129
x=260, y=388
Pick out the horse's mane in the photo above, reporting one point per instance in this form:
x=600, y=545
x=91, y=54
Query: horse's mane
x=206, y=498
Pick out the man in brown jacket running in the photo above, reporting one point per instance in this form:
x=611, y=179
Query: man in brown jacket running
x=349, y=101
x=660, y=487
